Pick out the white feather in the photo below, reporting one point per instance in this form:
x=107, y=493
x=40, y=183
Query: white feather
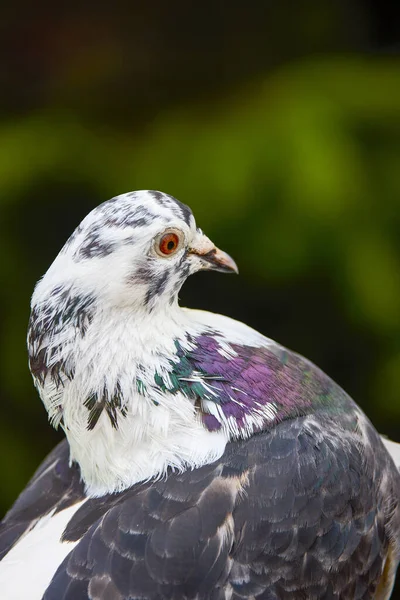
x=27, y=569
x=394, y=450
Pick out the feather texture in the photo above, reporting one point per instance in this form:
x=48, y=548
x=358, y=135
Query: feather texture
x=203, y=461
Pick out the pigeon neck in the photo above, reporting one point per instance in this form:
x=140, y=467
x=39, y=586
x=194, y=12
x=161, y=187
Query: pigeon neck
x=121, y=425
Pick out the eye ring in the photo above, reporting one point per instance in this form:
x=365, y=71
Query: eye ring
x=168, y=242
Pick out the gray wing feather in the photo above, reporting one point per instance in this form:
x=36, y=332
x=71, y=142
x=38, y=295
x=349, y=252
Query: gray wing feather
x=298, y=512
x=54, y=486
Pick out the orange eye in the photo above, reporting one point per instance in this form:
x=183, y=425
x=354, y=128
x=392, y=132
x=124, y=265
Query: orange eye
x=168, y=243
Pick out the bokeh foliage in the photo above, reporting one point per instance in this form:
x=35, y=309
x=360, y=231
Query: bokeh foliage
x=294, y=170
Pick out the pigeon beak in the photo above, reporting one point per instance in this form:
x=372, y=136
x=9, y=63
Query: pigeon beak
x=213, y=258
x=217, y=260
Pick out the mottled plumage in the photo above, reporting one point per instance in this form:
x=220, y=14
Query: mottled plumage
x=203, y=461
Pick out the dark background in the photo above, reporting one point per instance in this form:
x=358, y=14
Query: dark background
x=277, y=122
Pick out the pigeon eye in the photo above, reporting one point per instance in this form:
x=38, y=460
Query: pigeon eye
x=168, y=243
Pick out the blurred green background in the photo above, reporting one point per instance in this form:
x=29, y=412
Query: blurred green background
x=278, y=123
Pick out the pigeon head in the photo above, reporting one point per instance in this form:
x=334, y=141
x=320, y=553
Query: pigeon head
x=136, y=250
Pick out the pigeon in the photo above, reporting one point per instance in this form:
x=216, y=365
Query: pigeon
x=201, y=459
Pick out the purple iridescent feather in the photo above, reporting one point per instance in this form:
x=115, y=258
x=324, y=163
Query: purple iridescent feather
x=242, y=378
